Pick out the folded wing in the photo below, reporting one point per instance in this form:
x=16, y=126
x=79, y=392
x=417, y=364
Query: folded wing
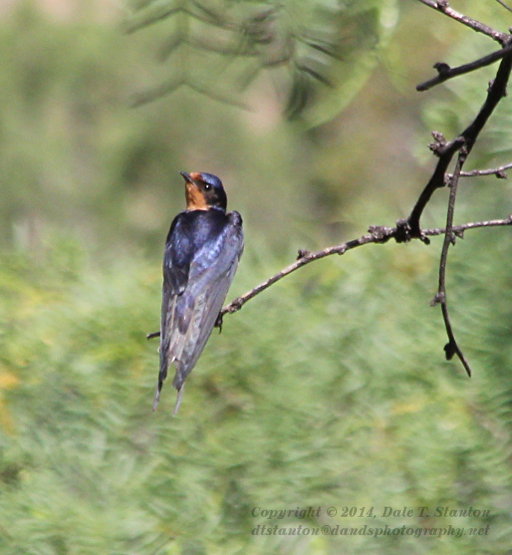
x=190, y=306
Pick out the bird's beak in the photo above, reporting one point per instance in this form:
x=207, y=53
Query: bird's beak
x=186, y=176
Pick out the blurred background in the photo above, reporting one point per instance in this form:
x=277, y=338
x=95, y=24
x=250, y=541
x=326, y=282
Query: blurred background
x=328, y=389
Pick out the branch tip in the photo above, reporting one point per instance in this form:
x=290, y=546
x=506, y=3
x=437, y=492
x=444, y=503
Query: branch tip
x=449, y=350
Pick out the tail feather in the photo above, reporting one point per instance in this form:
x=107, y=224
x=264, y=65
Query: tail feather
x=178, y=383
x=156, y=400
x=161, y=378
x=179, y=398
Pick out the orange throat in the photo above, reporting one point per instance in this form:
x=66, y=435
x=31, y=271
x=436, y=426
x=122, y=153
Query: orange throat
x=195, y=198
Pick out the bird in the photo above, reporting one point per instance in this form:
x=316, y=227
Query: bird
x=202, y=251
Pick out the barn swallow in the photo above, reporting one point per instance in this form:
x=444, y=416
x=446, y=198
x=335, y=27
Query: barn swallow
x=202, y=250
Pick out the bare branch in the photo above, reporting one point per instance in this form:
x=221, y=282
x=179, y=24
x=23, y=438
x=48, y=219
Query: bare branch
x=504, y=5
x=376, y=234
x=452, y=346
x=499, y=172
x=446, y=150
x=459, y=230
x=443, y=6
x=410, y=228
x=445, y=72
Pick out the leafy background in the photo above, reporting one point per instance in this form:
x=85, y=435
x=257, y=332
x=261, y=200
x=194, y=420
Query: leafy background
x=329, y=389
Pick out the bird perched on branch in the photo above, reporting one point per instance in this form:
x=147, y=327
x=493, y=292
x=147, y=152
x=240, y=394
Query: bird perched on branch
x=202, y=250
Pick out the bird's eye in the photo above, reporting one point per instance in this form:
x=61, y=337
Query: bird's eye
x=207, y=186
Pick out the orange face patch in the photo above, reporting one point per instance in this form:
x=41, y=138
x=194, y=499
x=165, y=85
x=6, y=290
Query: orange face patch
x=194, y=195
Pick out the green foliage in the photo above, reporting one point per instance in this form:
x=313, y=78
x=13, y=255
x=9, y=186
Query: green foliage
x=76, y=156
x=320, y=53
x=323, y=391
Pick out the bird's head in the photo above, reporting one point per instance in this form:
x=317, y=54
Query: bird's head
x=204, y=191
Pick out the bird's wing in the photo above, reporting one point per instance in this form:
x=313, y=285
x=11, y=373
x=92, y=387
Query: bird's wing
x=177, y=257
x=189, y=316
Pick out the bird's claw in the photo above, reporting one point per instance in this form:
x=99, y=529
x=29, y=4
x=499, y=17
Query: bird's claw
x=218, y=322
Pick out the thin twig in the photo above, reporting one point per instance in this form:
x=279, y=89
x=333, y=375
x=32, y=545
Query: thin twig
x=443, y=6
x=499, y=172
x=452, y=346
x=504, y=5
x=446, y=72
x=377, y=234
